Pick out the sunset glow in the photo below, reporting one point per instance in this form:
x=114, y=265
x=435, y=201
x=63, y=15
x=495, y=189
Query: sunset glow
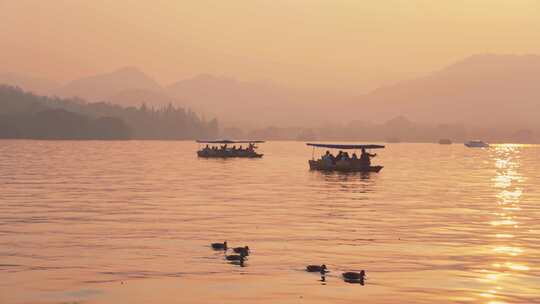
x=344, y=44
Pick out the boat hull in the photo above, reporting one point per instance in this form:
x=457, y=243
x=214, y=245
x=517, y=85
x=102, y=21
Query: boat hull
x=342, y=167
x=228, y=155
x=476, y=145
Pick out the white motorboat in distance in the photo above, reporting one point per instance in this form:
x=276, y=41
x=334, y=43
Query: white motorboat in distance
x=476, y=144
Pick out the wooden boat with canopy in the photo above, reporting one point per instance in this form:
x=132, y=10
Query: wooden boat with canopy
x=229, y=149
x=343, y=162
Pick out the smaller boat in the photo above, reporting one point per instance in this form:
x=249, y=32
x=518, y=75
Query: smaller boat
x=445, y=141
x=476, y=144
x=220, y=149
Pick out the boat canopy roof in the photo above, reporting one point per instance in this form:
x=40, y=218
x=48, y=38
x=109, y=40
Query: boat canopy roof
x=227, y=141
x=345, y=147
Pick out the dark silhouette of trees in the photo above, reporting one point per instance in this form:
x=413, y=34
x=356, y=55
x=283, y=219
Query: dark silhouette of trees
x=25, y=115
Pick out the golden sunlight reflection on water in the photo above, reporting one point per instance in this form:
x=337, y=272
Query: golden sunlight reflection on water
x=131, y=222
x=508, y=181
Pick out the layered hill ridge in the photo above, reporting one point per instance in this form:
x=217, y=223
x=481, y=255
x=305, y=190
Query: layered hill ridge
x=35, y=84
x=104, y=86
x=482, y=90
x=247, y=103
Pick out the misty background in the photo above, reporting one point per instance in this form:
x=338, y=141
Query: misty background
x=295, y=70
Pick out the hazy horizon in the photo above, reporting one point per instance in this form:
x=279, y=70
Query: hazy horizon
x=344, y=45
x=256, y=64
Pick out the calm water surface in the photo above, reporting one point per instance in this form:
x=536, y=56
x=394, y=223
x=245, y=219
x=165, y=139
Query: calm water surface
x=130, y=222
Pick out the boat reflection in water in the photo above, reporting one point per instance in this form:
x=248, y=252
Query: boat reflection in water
x=348, y=182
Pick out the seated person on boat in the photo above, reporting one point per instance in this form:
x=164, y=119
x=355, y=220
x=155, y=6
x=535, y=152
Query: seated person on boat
x=344, y=162
x=220, y=149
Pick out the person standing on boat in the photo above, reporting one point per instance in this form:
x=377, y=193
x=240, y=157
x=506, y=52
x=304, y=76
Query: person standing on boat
x=365, y=158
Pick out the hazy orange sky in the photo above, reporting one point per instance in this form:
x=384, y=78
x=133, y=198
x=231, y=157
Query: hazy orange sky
x=326, y=43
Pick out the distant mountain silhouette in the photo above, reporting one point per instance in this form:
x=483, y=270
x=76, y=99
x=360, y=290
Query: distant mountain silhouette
x=482, y=90
x=105, y=87
x=37, y=85
x=398, y=129
x=136, y=97
x=227, y=98
x=248, y=103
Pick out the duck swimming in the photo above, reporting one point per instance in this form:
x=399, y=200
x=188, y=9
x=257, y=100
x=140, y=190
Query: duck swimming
x=219, y=246
x=354, y=277
x=316, y=268
x=244, y=250
x=235, y=257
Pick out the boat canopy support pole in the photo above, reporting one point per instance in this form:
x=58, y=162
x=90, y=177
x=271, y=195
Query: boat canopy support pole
x=313, y=154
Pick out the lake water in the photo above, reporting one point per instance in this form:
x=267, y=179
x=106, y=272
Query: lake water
x=131, y=222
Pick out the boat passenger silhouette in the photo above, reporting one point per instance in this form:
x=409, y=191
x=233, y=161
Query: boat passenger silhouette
x=365, y=158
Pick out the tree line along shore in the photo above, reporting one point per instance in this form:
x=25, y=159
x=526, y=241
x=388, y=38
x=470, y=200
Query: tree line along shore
x=24, y=115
